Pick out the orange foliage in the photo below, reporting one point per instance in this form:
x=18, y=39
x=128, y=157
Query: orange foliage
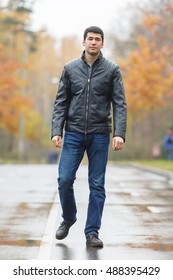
x=20, y=88
x=149, y=68
x=146, y=78
x=150, y=21
x=11, y=103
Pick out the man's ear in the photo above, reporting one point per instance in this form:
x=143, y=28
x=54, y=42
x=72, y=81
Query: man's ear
x=83, y=43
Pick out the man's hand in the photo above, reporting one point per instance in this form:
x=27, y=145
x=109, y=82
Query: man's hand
x=117, y=143
x=57, y=141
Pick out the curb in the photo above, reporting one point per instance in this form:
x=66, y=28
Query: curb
x=167, y=174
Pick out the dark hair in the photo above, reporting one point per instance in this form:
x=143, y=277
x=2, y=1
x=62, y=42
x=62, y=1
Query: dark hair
x=94, y=29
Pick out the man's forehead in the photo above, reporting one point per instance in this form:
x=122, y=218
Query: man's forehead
x=92, y=34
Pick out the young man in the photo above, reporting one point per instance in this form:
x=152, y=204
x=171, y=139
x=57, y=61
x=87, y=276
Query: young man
x=87, y=89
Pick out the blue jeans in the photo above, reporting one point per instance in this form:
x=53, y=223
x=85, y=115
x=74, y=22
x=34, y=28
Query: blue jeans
x=169, y=154
x=74, y=146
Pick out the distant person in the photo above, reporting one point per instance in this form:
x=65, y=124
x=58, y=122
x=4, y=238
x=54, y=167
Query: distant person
x=168, y=144
x=156, y=150
x=52, y=157
x=88, y=87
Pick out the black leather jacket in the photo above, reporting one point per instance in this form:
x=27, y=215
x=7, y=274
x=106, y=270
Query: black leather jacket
x=84, y=98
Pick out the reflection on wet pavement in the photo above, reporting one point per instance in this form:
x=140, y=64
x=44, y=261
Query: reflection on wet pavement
x=25, y=202
x=93, y=253
x=65, y=252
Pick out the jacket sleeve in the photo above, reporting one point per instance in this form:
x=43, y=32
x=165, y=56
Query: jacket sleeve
x=61, y=105
x=118, y=104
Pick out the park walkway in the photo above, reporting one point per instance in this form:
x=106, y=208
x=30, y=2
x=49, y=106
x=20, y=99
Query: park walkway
x=137, y=221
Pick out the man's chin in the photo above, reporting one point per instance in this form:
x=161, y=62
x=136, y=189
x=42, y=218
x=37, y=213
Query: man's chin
x=93, y=52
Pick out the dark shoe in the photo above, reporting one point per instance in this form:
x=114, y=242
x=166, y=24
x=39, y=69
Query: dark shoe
x=92, y=240
x=63, y=230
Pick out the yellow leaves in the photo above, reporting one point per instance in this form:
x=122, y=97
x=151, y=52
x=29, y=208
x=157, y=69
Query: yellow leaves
x=7, y=90
x=148, y=69
x=150, y=21
x=33, y=125
x=12, y=103
x=28, y=62
x=146, y=79
x=11, y=108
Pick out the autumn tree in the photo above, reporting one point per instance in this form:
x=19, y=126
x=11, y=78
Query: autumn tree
x=148, y=69
x=8, y=97
x=11, y=102
x=148, y=77
x=26, y=114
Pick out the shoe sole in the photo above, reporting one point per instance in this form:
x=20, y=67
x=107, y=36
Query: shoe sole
x=60, y=238
x=94, y=245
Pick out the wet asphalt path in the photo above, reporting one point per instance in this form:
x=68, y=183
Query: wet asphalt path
x=137, y=221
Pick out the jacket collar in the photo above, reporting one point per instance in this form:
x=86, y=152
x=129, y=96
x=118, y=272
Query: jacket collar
x=83, y=56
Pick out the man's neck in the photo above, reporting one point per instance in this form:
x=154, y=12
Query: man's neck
x=90, y=58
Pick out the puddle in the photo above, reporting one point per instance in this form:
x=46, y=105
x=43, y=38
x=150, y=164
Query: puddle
x=153, y=246
x=21, y=243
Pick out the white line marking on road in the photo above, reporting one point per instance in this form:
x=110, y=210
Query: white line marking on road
x=49, y=234
x=153, y=209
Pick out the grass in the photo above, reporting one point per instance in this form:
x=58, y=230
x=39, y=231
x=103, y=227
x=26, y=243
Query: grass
x=158, y=163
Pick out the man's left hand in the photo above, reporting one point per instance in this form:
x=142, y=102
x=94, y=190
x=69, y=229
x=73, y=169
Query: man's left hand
x=117, y=143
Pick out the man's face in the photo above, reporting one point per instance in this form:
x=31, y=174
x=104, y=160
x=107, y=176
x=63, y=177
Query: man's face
x=93, y=43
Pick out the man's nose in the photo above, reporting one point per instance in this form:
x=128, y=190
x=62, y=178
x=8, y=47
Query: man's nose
x=93, y=41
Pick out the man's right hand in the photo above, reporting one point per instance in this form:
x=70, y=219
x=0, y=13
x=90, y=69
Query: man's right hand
x=57, y=141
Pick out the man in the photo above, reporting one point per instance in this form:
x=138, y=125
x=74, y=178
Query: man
x=87, y=88
x=168, y=144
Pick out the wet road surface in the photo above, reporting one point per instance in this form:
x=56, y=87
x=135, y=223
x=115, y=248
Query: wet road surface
x=137, y=221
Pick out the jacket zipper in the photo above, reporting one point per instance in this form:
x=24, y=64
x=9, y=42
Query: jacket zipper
x=87, y=105
x=87, y=98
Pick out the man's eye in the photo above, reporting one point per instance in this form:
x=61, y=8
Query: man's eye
x=95, y=39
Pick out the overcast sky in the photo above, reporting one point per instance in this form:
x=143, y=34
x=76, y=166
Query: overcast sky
x=71, y=17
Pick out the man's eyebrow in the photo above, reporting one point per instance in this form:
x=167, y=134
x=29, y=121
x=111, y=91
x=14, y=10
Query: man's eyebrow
x=96, y=37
